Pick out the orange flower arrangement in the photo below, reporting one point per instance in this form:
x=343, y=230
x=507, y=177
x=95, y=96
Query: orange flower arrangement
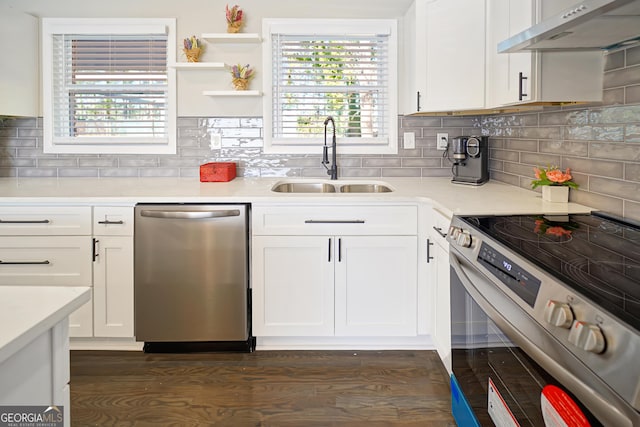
x=552, y=175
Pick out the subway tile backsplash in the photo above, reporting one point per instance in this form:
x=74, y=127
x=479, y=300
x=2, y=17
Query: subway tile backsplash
x=599, y=142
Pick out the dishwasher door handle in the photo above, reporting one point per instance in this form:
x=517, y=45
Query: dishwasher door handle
x=190, y=214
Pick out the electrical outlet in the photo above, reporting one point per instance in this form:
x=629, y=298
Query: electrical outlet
x=409, y=140
x=216, y=141
x=442, y=141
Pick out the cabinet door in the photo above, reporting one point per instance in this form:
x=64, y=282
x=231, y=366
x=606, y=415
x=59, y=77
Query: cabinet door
x=19, y=69
x=292, y=285
x=376, y=286
x=442, y=317
x=506, y=18
x=113, y=287
x=455, y=55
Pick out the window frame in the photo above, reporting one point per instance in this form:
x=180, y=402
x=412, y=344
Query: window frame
x=117, y=26
x=324, y=27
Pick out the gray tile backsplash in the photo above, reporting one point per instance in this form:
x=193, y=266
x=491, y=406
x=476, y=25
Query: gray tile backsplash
x=599, y=142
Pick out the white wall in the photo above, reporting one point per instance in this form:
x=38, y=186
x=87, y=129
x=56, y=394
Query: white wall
x=195, y=17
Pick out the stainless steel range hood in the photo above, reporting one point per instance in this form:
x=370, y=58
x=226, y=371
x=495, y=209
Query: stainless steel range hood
x=589, y=25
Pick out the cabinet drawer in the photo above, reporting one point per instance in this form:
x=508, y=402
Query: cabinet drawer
x=59, y=261
x=335, y=219
x=113, y=221
x=439, y=227
x=45, y=220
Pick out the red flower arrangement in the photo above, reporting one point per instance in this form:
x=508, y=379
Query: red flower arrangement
x=552, y=175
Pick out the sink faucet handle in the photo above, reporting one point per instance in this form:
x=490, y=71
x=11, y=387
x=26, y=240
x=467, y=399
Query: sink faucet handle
x=325, y=154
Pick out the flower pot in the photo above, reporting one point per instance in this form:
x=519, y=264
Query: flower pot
x=555, y=193
x=240, y=84
x=234, y=27
x=193, y=55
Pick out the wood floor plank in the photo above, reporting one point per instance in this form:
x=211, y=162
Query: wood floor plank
x=264, y=388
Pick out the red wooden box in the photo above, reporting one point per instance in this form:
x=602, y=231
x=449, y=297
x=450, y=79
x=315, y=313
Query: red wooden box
x=217, y=172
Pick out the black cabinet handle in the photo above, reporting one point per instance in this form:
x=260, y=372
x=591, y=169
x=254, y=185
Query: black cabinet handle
x=429, y=257
x=35, y=221
x=94, y=251
x=439, y=231
x=45, y=262
x=334, y=221
x=107, y=222
x=339, y=250
x=329, y=251
x=418, y=101
x=521, y=80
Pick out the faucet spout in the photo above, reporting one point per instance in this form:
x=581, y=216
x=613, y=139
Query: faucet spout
x=333, y=170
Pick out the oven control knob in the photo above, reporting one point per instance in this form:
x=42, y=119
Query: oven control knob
x=464, y=239
x=558, y=314
x=587, y=336
x=454, y=232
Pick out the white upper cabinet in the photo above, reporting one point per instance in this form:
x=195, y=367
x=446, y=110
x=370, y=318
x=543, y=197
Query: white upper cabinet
x=19, y=72
x=445, y=56
x=540, y=77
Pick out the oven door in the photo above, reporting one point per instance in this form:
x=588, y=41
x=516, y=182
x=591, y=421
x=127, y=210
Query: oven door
x=508, y=371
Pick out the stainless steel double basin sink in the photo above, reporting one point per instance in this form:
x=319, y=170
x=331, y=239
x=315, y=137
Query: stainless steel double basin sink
x=329, y=187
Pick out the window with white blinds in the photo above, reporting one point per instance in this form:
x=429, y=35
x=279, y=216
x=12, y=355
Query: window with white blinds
x=320, y=68
x=110, y=87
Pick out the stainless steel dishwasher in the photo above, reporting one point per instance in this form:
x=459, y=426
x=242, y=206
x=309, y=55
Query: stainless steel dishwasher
x=192, y=277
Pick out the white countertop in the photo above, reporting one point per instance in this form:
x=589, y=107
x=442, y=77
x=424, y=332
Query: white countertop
x=28, y=311
x=491, y=198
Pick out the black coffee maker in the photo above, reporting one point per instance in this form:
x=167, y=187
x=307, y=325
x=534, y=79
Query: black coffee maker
x=469, y=157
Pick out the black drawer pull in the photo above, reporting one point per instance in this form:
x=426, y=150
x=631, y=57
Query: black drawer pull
x=107, y=222
x=334, y=221
x=30, y=221
x=439, y=231
x=429, y=257
x=45, y=262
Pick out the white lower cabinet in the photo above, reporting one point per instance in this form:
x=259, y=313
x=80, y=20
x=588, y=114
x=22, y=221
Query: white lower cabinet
x=334, y=285
x=113, y=287
x=293, y=290
x=311, y=280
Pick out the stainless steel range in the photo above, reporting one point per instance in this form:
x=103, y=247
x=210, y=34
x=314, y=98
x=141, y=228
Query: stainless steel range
x=545, y=320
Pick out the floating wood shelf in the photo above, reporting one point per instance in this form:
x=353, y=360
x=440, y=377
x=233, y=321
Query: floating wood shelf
x=232, y=93
x=233, y=37
x=199, y=65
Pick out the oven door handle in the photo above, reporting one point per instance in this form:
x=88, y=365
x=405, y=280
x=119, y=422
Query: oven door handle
x=601, y=407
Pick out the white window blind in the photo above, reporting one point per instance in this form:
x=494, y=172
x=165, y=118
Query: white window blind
x=110, y=88
x=347, y=75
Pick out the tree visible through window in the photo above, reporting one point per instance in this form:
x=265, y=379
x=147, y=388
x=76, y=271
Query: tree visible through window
x=347, y=76
x=108, y=87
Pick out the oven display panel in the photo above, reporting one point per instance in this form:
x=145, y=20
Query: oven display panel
x=517, y=279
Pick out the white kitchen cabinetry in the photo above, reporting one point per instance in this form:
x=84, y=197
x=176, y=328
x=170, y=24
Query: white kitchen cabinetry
x=438, y=258
x=48, y=245
x=19, y=72
x=113, y=271
x=334, y=270
x=444, y=55
x=529, y=77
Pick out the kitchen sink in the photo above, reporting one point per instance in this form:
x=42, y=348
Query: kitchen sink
x=365, y=188
x=303, y=187
x=327, y=187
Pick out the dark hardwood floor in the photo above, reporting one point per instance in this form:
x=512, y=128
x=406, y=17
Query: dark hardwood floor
x=265, y=388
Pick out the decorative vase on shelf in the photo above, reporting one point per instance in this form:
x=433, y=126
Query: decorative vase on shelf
x=193, y=54
x=234, y=27
x=555, y=193
x=240, y=84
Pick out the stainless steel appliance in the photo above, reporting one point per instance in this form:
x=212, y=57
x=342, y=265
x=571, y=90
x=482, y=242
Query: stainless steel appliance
x=545, y=317
x=192, y=277
x=469, y=158
x=586, y=25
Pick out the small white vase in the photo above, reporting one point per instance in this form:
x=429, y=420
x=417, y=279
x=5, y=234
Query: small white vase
x=555, y=194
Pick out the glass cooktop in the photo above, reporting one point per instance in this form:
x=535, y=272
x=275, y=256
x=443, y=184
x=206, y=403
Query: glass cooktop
x=596, y=255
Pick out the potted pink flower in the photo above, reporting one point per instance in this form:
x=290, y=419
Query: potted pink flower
x=554, y=182
x=234, y=18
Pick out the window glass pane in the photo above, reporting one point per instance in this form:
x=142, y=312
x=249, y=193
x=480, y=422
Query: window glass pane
x=110, y=86
x=342, y=76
